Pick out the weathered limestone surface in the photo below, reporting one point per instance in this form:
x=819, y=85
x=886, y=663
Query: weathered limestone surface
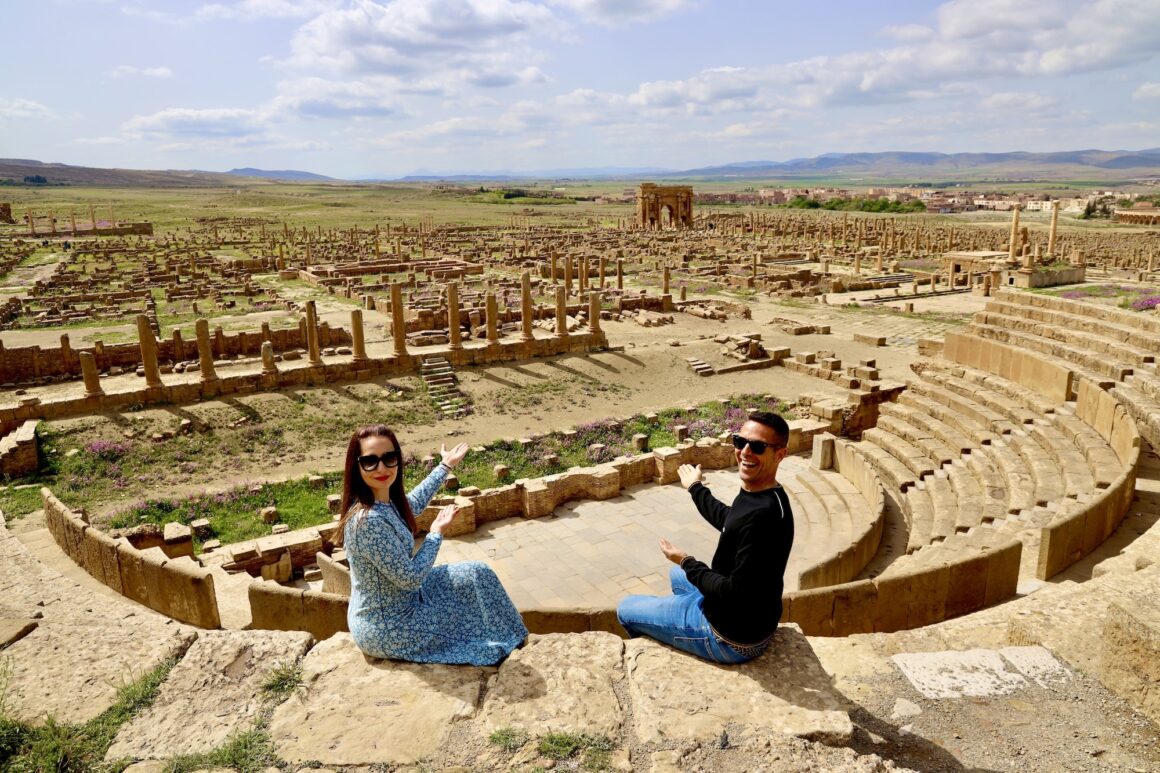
x=1131, y=657
x=214, y=691
x=559, y=682
x=677, y=697
x=354, y=710
x=72, y=671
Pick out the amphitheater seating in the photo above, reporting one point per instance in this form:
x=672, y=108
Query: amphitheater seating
x=976, y=459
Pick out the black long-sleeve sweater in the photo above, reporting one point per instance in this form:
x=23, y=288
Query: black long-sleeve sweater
x=743, y=587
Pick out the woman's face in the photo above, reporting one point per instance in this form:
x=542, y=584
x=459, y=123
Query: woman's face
x=381, y=476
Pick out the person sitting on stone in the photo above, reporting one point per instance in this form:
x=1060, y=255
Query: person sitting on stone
x=401, y=605
x=727, y=612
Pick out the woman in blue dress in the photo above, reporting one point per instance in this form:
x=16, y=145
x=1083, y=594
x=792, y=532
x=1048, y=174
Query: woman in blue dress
x=401, y=605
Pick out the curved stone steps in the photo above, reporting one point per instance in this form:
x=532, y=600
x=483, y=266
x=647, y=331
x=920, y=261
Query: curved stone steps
x=946, y=506
x=985, y=394
x=1101, y=459
x=991, y=382
x=938, y=452
x=1042, y=465
x=975, y=507
x=938, y=429
x=894, y=473
x=911, y=456
x=1075, y=316
x=1073, y=465
x=1066, y=333
x=918, y=506
x=975, y=433
x=1096, y=367
x=983, y=418
x=1140, y=396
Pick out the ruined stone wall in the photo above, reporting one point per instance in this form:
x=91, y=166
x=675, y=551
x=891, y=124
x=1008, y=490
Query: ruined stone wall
x=19, y=454
x=177, y=588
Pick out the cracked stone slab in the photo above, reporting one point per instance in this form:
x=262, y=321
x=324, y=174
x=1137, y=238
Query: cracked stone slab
x=72, y=672
x=214, y=691
x=976, y=673
x=678, y=697
x=559, y=683
x=13, y=629
x=356, y=710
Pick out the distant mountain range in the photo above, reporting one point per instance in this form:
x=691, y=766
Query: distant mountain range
x=851, y=168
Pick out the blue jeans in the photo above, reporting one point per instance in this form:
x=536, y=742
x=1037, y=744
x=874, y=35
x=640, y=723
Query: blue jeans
x=677, y=620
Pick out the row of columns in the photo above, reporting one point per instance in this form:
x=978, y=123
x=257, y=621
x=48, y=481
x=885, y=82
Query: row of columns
x=149, y=344
x=582, y=273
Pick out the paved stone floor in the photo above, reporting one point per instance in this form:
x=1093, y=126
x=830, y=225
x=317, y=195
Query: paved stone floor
x=590, y=553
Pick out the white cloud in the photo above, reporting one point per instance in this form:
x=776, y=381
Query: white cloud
x=188, y=122
x=264, y=9
x=127, y=70
x=908, y=32
x=99, y=140
x=19, y=109
x=322, y=98
x=1147, y=91
x=613, y=13
x=1017, y=101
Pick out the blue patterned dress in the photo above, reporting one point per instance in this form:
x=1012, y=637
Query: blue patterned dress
x=403, y=607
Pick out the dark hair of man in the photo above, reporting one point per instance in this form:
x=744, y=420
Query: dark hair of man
x=775, y=423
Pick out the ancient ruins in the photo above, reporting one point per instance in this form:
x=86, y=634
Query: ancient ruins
x=972, y=469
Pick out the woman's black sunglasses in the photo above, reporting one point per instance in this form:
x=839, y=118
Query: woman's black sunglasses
x=370, y=462
x=756, y=446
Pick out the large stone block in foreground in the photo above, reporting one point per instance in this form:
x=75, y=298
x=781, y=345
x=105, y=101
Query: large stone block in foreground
x=355, y=710
x=1131, y=658
x=678, y=697
x=72, y=672
x=559, y=683
x=215, y=690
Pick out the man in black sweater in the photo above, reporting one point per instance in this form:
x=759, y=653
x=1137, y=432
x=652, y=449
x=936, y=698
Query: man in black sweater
x=727, y=612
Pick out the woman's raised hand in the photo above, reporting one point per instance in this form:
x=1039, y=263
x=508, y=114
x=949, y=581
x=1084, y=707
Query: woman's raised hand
x=443, y=519
x=454, y=456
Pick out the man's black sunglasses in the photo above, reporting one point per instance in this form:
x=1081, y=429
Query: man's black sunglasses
x=756, y=446
x=370, y=462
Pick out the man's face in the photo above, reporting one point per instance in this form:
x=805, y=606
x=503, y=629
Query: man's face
x=758, y=471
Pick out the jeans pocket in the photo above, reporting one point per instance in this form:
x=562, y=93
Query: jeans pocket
x=695, y=645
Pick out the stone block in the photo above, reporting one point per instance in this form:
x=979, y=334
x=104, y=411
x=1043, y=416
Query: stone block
x=558, y=683
x=823, y=451
x=372, y=712
x=334, y=503
x=1130, y=662
x=784, y=691
x=269, y=514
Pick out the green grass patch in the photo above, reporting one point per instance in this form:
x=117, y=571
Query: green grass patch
x=54, y=746
x=282, y=680
x=18, y=502
x=246, y=751
x=509, y=739
x=594, y=750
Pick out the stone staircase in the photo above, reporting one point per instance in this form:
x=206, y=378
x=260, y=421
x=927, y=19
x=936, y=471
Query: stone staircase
x=443, y=386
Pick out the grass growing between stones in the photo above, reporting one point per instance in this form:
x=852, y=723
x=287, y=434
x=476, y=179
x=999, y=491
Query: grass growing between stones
x=64, y=748
x=246, y=751
x=281, y=681
x=594, y=750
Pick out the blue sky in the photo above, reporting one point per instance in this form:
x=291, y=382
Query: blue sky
x=357, y=88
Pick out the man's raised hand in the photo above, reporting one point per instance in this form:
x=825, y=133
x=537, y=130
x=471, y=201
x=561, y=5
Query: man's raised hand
x=689, y=474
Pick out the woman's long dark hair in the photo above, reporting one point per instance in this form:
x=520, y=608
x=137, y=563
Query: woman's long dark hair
x=357, y=495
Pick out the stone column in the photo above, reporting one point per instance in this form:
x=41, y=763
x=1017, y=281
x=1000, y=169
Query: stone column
x=583, y=285
x=89, y=372
x=601, y=259
x=1054, y=226
x=178, y=346
x=665, y=281
x=553, y=258
x=619, y=274
x=492, y=322
x=568, y=273
x=453, y=331
x=561, y=313
x=594, y=313
x=526, y=306
x=148, y=352
x=858, y=263
x=205, y=352
x=269, y=367
x=398, y=321
x=358, y=342
x=314, y=352
x=1013, y=247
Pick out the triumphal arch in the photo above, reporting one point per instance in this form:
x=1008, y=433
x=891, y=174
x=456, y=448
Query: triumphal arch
x=660, y=206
